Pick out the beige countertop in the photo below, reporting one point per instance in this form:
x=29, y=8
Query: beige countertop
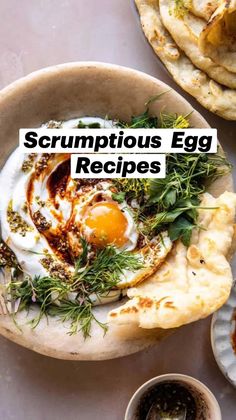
x=36, y=34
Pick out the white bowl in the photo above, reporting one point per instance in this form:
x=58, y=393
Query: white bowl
x=196, y=387
x=64, y=92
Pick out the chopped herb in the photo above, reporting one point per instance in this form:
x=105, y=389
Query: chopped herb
x=25, y=207
x=132, y=187
x=40, y=202
x=119, y=197
x=16, y=222
x=7, y=257
x=81, y=124
x=28, y=163
x=181, y=8
x=41, y=222
x=42, y=163
x=55, y=268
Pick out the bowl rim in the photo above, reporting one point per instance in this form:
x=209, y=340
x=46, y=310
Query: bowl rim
x=216, y=319
x=172, y=377
x=52, y=70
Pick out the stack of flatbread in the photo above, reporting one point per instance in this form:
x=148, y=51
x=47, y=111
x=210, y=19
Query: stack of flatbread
x=196, y=41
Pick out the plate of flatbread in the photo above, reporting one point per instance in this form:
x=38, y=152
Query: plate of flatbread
x=196, y=41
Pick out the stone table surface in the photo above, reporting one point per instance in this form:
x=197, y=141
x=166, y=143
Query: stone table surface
x=40, y=33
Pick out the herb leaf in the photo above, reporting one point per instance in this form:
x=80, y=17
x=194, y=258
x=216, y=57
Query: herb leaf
x=181, y=228
x=82, y=260
x=119, y=197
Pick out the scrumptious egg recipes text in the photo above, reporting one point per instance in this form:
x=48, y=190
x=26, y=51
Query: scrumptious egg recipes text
x=139, y=148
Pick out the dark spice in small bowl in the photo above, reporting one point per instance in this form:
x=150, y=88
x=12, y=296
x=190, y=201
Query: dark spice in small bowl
x=167, y=398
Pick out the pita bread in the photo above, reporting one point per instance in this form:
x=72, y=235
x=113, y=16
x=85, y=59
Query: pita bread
x=194, y=281
x=186, y=31
x=218, y=39
x=209, y=93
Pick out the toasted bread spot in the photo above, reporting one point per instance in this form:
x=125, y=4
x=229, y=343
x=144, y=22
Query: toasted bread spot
x=145, y=302
x=169, y=305
x=129, y=310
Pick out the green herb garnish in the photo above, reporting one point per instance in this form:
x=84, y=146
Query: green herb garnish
x=81, y=124
x=171, y=203
x=119, y=197
x=92, y=277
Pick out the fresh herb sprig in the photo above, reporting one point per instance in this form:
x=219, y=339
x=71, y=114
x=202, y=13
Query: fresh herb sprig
x=96, y=273
x=146, y=120
x=79, y=315
x=171, y=203
x=104, y=272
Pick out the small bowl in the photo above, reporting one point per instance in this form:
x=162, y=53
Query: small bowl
x=208, y=402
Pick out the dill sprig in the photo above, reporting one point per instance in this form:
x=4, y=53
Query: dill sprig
x=79, y=315
x=97, y=276
x=104, y=272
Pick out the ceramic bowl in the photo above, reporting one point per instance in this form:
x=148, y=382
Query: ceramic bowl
x=206, y=401
x=222, y=328
x=63, y=92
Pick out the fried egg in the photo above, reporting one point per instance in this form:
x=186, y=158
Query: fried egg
x=104, y=222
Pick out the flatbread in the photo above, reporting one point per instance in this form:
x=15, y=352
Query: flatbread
x=210, y=94
x=186, y=30
x=202, y=8
x=218, y=39
x=193, y=282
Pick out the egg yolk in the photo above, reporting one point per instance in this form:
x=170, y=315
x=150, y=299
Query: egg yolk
x=107, y=223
